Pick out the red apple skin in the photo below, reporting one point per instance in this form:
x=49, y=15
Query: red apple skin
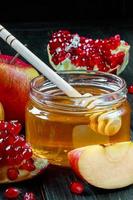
x=73, y=157
x=14, y=87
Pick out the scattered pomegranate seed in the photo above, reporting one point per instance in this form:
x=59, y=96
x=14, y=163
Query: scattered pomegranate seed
x=76, y=187
x=12, y=173
x=130, y=89
x=29, y=196
x=11, y=193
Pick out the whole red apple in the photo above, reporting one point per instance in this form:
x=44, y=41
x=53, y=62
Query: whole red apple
x=14, y=86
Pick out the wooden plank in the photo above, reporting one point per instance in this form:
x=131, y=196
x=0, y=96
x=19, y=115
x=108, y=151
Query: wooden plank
x=57, y=182
x=56, y=187
x=32, y=185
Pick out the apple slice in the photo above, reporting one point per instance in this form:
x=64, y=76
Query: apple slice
x=104, y=166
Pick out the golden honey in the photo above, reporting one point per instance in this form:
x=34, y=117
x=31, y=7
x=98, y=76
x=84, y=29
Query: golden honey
x=56, y=124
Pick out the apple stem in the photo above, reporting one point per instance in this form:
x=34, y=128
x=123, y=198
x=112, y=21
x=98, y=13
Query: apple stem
x=15, y=57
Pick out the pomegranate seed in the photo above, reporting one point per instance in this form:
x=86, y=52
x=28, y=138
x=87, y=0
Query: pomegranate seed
x=9, y=150
x=12, y=173
x=18, y=159
x=2, y=145
x=14, y=128
x=19, y=141
x=82, y=39
x=28, y=166
x=17, y=150
x=55, y=59
x=27, y=154
x=3, y=125
x=117, y=37
x=126, y=43
x=30, y=161
x=130, y=89
x=76, y=187
x=9, y=160
x=11, y=193
x=10, y=139
x=29, y=196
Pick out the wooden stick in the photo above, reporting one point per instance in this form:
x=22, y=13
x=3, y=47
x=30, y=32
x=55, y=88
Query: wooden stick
x=37, y=63
x=16, y=56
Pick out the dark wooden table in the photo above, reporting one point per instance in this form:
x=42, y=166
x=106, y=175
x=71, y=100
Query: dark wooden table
x=54, y=183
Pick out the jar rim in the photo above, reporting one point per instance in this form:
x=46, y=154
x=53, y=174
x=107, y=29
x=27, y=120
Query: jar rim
x=122, y=82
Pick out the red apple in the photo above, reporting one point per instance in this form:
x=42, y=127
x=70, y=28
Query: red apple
x=104, y=166
x=1, y=112
x=14, y=86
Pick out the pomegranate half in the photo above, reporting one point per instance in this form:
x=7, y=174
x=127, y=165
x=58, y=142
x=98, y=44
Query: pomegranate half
x=17, y=161
x=67, y=51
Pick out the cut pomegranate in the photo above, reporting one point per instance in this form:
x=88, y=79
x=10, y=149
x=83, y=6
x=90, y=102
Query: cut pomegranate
x=17, y=161
x=70, y=51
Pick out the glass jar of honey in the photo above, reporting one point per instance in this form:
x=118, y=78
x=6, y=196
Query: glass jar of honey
x=56, y=123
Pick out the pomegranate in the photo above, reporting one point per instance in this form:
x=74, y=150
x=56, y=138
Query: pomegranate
x=17, y=161
x=69, y=51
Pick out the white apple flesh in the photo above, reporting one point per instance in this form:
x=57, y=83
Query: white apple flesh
x=107, y=167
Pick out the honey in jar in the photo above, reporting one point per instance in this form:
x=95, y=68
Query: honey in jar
x=56, y=124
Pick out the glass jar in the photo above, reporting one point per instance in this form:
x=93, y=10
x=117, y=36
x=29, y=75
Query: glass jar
x=56, y=123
